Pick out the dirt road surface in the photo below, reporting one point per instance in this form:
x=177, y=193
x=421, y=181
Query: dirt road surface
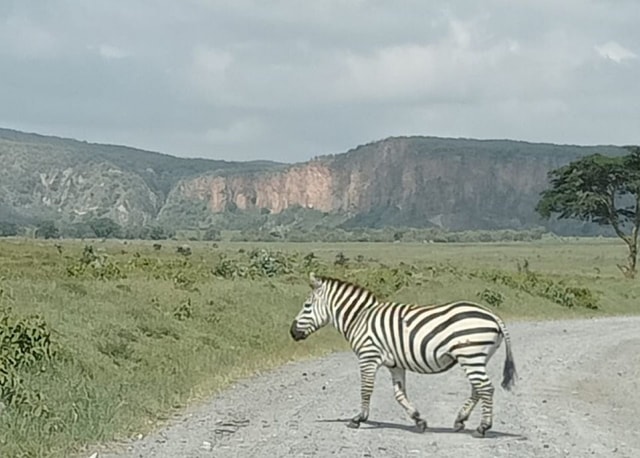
x=577, y=394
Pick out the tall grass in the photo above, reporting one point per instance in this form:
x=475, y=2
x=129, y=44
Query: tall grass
x=123, y=334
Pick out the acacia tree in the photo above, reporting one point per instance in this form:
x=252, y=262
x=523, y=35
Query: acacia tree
x=601, y=189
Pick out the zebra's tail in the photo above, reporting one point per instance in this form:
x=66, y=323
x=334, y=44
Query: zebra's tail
x=509, y=371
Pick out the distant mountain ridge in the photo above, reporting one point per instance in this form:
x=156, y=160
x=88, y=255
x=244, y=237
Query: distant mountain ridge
x=52, y=177
x=456, y=184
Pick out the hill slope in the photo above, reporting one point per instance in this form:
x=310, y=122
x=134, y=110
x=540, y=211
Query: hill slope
x=51, y=177
x=455, y=184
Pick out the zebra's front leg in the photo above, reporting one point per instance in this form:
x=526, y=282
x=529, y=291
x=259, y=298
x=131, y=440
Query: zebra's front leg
x=398, y=378
x=368, y=371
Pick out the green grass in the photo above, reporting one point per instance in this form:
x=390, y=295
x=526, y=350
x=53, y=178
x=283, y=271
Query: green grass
x=159, y=330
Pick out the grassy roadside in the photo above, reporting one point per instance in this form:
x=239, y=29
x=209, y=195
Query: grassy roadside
x=137, y=332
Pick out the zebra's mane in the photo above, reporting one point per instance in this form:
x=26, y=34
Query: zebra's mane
x=345, y=283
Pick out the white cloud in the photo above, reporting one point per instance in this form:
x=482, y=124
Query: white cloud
x=614, y=51
x=451, y=67
x=461, y=33
x=112, y=52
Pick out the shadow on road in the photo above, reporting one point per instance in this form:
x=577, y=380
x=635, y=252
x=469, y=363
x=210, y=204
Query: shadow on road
x=491, y=434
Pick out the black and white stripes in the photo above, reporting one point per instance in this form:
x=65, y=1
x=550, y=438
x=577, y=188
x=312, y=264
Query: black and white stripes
x=423, y=339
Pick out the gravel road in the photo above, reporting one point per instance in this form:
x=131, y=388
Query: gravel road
x=578, y=394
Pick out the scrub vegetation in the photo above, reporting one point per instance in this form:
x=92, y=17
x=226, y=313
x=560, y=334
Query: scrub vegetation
x=100, y=341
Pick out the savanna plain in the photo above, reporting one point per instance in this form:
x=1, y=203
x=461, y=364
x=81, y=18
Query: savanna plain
x=104, y=340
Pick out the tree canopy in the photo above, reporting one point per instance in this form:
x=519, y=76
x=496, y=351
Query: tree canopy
x=47, y=230
x=600, y=189
x=104, y=227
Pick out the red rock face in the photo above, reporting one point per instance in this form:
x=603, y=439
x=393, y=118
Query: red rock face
x=436, y=183
x=308, y=185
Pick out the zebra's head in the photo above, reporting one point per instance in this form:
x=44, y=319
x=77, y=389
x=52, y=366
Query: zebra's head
x=314, y=313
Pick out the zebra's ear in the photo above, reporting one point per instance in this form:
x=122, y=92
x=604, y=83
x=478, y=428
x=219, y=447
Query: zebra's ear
x=315, y=282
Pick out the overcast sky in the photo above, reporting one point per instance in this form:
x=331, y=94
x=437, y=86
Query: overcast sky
x=290, y=79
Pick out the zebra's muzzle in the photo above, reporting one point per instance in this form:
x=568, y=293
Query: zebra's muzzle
x=295, y=332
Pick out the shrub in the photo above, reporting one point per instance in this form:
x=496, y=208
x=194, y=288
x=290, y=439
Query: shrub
x=310, y=262
x=383, y=281
x=534, y=284
x=491, y=297
x=95, y=265
x=257, y=263
x=263, y=263
x=228, y=268
x=341, y=259
x=183, y=311
x=23, y=342
x=184, y=250
x=182, y=281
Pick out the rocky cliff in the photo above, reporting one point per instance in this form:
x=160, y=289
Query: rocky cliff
x=455, y=184
x=308, y=185
x=414, y=181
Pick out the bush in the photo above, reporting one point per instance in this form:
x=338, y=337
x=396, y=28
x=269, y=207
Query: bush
x=341, y=259
x=555, y=291
x=23, y=342
x=491, y=297
x=95, y=265
x=184, y=250
x=257, y=263
x=263, y=263
x=310, y=263
x=183, y=311
x=183, y=281
x=229, y=268
x=383, y=281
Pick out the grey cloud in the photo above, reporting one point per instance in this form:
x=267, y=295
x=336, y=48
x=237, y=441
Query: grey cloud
x=289, y=80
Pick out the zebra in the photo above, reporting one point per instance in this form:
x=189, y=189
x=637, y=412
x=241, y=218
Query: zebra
x=419, y=338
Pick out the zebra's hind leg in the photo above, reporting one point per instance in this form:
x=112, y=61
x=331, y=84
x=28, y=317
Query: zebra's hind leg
x=398, y=378
x=475, y=368
x=465, y=411
x=368, y=371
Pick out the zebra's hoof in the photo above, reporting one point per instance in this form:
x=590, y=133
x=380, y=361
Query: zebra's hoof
x=421, y=425
x=479, y=433
x=458, y=425
x=353, y=424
